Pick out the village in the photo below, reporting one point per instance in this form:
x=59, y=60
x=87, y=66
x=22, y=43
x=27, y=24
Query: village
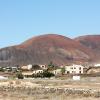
x=47, y=71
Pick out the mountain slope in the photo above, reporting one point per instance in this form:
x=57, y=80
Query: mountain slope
x=45, y=48
x=92, y=42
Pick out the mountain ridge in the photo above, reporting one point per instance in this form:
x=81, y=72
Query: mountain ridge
x=45, y=48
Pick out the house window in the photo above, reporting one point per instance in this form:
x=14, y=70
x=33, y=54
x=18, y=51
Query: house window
x=80, y=72
x=67, y=72
x=80, y=68
x=73, y=72
x=40, y=71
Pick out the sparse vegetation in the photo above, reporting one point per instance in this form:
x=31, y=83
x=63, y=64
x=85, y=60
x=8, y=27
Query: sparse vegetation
x=51, y=65
x=49, y=90
x=20, y=75
x=62, y=70
x=47, y=74
x=1, y=69
x=43, y=75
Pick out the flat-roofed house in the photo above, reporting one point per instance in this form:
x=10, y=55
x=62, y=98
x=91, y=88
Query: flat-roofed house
x=25, y=73
x=43, y=66
x=74, y=69
x=56, y=71
x=97, y=65
x=37, y=71
x=24, y=68
x=27, y=67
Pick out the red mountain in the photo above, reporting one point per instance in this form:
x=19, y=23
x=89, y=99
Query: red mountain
x=44, y=49
x=92, y=42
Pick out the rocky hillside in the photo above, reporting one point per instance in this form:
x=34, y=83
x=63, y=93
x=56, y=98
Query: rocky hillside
x=92, y=42
x=46, y=48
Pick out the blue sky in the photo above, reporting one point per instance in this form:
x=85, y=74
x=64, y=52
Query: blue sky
x=22, y=19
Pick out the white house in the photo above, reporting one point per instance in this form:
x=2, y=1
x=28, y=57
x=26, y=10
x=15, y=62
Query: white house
x=14, y=68
x=74, y=69
x=43, y=66
x=27, y=67
x=57, y=71
x=37, y=71
x=3, y=78
x=97, y=65
x=27, y=73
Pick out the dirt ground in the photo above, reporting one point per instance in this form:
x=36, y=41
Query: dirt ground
x=85, y=83
x=18, y=96
x=21, y=96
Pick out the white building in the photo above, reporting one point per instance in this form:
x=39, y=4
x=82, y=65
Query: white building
x=57, y=71
x=27, y=73
x=74, y=69
x=27, y=67
x=97, y=65
x=43, y=66
x=37, y=71
x=3, y=78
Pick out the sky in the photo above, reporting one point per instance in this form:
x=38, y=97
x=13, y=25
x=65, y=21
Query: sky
x=23, y=19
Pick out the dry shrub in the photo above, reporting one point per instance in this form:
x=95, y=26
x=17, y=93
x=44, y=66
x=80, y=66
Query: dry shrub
x=11, y=82
x=17, y=82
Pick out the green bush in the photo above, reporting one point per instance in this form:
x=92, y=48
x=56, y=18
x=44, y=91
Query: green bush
x=47, y=74
x=1, y=70
x=44, y=74
x=20, y=75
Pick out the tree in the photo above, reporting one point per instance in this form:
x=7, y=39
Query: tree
x=20, y=75
x=44, y=74
x=47, y=74
x=1, y=69
x=51, y=64
x=62, y=70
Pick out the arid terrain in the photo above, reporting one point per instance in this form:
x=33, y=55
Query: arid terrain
x=50, y=96
x=50, y=89
x=52, y=47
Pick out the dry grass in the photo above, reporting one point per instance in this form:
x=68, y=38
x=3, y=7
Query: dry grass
x=36, y=95
x=21, y=96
